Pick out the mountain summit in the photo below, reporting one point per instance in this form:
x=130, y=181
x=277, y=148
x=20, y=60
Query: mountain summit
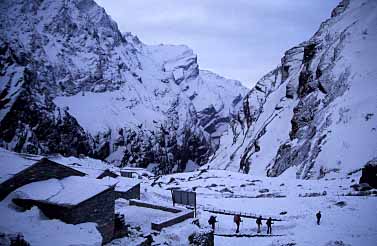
x=72, y=83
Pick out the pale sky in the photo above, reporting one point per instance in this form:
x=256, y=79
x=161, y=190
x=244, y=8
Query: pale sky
x=238, y=39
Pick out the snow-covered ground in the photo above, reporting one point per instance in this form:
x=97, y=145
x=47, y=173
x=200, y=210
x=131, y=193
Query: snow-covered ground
x=350, y=219
x=346, y=218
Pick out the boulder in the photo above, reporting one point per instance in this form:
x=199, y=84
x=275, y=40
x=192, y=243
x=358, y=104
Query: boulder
x=202, y=238
x=341, y=204
x=369, y=174
x=361, y=187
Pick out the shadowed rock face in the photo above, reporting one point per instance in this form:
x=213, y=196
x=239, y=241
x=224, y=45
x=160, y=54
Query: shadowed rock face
x=309, y=112
x=29, y=107
x=369, y=174
x=313, y=99
x=52, y=52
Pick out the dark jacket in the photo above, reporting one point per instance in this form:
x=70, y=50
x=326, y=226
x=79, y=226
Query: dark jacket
x=237, y=219
x=259, y=221
x=269, y=222
x=318, y=215
x=212, y=220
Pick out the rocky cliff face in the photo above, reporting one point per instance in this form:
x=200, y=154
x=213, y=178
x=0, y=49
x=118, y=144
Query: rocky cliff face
x=72, y=83
x=316, y=112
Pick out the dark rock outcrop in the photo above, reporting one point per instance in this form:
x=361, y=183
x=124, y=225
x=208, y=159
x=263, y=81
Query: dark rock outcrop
x=202, y=238
x=369, y=174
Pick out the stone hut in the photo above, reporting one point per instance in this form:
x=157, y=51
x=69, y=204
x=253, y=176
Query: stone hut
x=127, y=188
x=25, y=172
x=73, y=200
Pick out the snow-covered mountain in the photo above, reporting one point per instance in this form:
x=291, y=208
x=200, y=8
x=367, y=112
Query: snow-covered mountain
x=316, y=112
x=72, y=83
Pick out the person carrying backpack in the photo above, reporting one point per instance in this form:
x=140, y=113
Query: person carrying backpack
x=237, y=220
x=212, y=221
x=259, y=223
x=318, y=215
x=269, y=227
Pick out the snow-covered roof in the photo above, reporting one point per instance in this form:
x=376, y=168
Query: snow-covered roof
x=12, y=163
x=91, y=167
x=122, y=184
x=125, y=184
x=69, y=191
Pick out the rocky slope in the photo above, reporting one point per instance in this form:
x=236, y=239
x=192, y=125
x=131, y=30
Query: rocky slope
x=316, y=113
x=72, y=83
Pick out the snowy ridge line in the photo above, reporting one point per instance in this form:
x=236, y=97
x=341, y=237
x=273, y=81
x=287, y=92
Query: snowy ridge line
x=247, y=235
x=242, y=214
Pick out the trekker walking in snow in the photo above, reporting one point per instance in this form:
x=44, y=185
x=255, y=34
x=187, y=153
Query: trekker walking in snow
x=237, y=220
x=269, y=227
x=212, y=221
x=318, y=215
x=259, y=223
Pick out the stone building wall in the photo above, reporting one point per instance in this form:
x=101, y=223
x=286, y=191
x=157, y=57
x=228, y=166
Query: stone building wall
x=52, y=211
x=99, y=209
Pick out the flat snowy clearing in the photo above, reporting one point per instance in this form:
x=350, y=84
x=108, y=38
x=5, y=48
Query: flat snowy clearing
x=350, y=219
x=140, y=216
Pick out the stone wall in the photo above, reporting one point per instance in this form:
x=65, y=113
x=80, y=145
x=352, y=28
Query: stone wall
x=41, y=170
x=154, y=206
x=99, y=209
x=178, y=218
